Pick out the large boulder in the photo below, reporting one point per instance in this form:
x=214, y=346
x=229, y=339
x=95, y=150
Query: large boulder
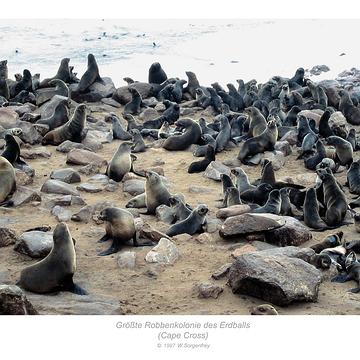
x=24, y=195
x=7, y=237
x=58, y=187
x=8, y=118
x=215, y=169
x=67, y=175
x=165, y=252
x=278, y=279
x=84, y=157
x=123, y=96
x=14, y=302
x=36, y=244
x=96, y=91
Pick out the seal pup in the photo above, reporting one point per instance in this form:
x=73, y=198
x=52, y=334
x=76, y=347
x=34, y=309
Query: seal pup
x=202, y=149
x=192, y=224
x=224, y=135
x=199, y=166
x=344, y=150
x=12, y=149
x=172, y=111
x=324, y=127
x=312, y=162
x=156, y=74
x=272, y=205
x=242, y=180
x=353, y=177
x=206, y=130
x=352, y=266
x=117, y=129
x=55, y=272
x=137, y=202
x=138, y=141
x=119, y=227
x=120, y=163
x=73, y=130
x=164, y=131
x=312, y=218
x=264, y=309
x=59, y=117
x=131, y=122
x=90, y=76
x=191, y=135
x=156, y=192
x=257, y=123
x=258, y=144
x=353, y=245
x=7, y=181
x=232, y=197
x=203, y=100
x=133, y=106
x=334, y=199
x=4, y=73
x=259, y=195
x=330, y=241
x=180, y=210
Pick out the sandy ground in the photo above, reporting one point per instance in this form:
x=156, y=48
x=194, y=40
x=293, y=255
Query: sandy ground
x=171, y=288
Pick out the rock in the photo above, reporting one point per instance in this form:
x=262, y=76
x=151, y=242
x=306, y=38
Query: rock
x=276, y=157
x=7, y=237
x=232, y=211
x=96, y=92
x=187, y=112
x=212, y=225
x=22, y=178
x=111, y=102
x=241, y=225
x=24, y=195
x=280, y=280
x=209, y=112
x=14, y=302
x=88, y=211
x=35, y=153
x=92, y=143
x=127, y=260
x=291, y=137
x=243, y=250
x=305, y=254
x=305, y=179
x=337, y=118
x=64, y=200
x=102, y=136
x=44, y=94
x=84, y=157
x=148, y=232
x=36, y=244
x=67, y=175
x=61, y=214
x=165, y=214
x=68, y=145
x=233, y=162
x=199, y=189
x=152, y=101
x=112, y=186
x=160, y=106
x=208, y=290
x=30, y=134
x=47, y=109
x=165, y=252
x=58, y=187
x=204, y=238
x=99, y=179
x=90, y=169
x=8, y=118
x=134, y=187
x=90, y=188
x=148, y=114
x=284, y=147
x=311, y=114
x=292, y=233
x=221, y=272
x=215, y=169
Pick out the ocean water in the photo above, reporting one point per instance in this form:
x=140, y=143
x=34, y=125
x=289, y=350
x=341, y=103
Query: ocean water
x=216, y=50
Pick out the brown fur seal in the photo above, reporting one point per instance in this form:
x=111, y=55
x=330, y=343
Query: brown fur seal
x=311, y=211
x=137, y=202
x=59, y=117
x=4, y=74
x=191, y=135
x=257, y=121
x=329, y=242
x=63, y=74
x=120, y=163
x=120, y=228
x=4, y=89
x=138, y=141
x=264, y=309
x=90, y=76
x=192, y=85
x=352, y=267
x=156, y=74
x=56, y=271
x=353, y=177
x=73, y=130
x=7, y=181
x=192, y=224
x=242, y=180
x=12, y=149
x=133, y=106
x=344, y=150
x=199, y=166
x=258, y=144
x=347, y=107
x=272, y=205
x=334, y=199
x=156, y=192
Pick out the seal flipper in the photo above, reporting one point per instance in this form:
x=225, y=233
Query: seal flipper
x=114, y=248
x=355, y=290
x=104, y=238
x=68, y=285
x=341, y=278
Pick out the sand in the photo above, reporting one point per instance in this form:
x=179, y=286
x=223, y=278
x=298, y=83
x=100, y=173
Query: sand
x=149, y=288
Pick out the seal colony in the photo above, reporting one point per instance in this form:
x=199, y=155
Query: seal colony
x=237, y=130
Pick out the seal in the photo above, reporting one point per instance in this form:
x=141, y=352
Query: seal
x=353, y=245
x=119, y=227
x=137, y=202
x=4, y=89
x=347, y=107
x=203, y=100
x=73, y=130
x=264, y=309
x=172, y=111
x=156, y=192
x=351, y=138
x=138, y=141
x=156, y=74
x=164, y=131
x=357, y=221
x=273, y=204
x=258, y=144
x=312, y=162
x=59, y=117
x=134, y=105
x=257, y=196
x=177, y=91
x=344, y=150
x=63, y=74
x=311, y=211
x=207, y=130
x=120, y=163
x=232, y=197
x=334, y=199
x=257, y=121
x=131, y=122
x=12, y=149
x=55, y=272
x=199, y=166
x=90, y=76
x=193, y=84
x=4, y=73
x=353, y=177
x=202, y=149
x=7, y=181
x=60, y=87
x=117, y=129
x=286, y=206
x=180, y=210
x=24, y=84
x=242, y=181
x=352, y=266
x=192, y=224
x=191, y=135
x=224, y=135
